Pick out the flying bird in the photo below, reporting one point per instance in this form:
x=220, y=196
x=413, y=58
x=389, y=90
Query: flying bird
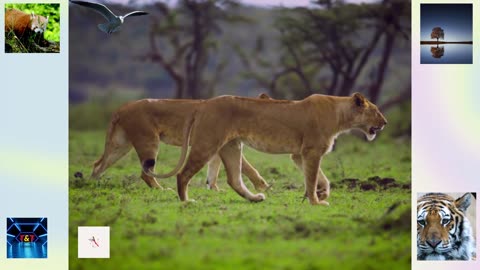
x=114, y=21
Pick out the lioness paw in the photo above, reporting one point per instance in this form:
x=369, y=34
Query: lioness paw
x=258, y=197
x=214, y=187
x=320, y=203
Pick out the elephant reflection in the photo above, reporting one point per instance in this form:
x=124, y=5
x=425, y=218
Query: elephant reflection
x=437, y=52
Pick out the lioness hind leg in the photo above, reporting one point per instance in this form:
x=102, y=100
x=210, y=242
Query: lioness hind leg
x=116, y=146
x=195, y=162
x=212, y=172
x=257, y=180
x=147, y=150
x=231, y=155
x=108, y=158
x=247, y=169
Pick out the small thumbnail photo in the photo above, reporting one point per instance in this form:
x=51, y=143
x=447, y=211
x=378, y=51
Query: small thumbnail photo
x=446, y=226
x=446, y=35
x=94, y=242
x=32, y=28
x=26, y=238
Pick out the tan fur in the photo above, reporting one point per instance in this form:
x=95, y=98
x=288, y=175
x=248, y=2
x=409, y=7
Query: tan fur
x=247, y=168
x=23, y=24
x=144, y=123
x=305, y=128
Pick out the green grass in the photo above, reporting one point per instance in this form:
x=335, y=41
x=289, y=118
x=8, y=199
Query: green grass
x=151, y=229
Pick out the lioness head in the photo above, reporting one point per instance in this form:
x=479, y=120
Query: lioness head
x=366, y=116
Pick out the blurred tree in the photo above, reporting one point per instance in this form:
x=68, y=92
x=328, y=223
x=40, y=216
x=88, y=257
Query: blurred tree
x=332, y=43
x=437, y=33
x=182, y=42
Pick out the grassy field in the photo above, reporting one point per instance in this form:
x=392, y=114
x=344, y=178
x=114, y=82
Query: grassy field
x=366, y=226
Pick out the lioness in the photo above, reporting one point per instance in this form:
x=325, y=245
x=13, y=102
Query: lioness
x=144, y=124
x=306, y=128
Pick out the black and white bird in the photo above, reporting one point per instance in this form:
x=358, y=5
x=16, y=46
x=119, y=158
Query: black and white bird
x=114, y=21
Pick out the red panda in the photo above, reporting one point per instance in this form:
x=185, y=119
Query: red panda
x=24, y=24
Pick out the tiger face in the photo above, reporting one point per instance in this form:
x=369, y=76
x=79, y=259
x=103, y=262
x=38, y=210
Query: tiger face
x=443, y=231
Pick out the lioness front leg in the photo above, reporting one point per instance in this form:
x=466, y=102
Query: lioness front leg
x=323, y=185
x=231, y=155
x=311, y=164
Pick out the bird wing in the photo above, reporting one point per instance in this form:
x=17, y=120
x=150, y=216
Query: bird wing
x=135, y=13
x=100, y=8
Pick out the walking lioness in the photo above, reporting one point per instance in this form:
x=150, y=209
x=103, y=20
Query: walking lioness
x=306, y=128
x=144, y=123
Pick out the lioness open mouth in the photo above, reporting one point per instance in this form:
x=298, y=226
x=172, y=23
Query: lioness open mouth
x=373, y=130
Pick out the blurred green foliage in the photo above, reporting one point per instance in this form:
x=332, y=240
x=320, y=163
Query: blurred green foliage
x=51, y=10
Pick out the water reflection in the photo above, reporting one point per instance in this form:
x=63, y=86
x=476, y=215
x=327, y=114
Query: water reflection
x=446, y=54
x=437, y=52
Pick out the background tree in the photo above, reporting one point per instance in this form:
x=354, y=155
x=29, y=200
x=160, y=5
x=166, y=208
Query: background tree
x=329, y=49
x=183, y=40
x=188, y=50
x=437, y=33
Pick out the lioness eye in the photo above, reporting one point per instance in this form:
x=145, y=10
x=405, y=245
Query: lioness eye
x=445, y=221
x=421, y=222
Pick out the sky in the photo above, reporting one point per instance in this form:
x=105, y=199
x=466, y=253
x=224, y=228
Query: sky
x=289, y=3
x=286, y=3
x=454, y=19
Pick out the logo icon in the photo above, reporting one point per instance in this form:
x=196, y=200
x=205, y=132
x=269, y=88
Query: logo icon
x=26, y=238
x=94, y=242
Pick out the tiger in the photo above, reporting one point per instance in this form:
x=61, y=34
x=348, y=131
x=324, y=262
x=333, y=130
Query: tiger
x=443, y=229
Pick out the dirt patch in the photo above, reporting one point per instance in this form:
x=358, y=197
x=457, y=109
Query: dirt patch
x=367, y=186
x=350, y=182
x=302, y=230
x=382, y=181
x=396, y=217
x=299, y=230
x=274, y=171
x=375, y=183
x=209, y=223
x=290, y=186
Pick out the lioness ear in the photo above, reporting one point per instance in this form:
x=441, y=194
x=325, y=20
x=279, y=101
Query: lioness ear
x=463, y=202
x=358, y=99
x=264, y=96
